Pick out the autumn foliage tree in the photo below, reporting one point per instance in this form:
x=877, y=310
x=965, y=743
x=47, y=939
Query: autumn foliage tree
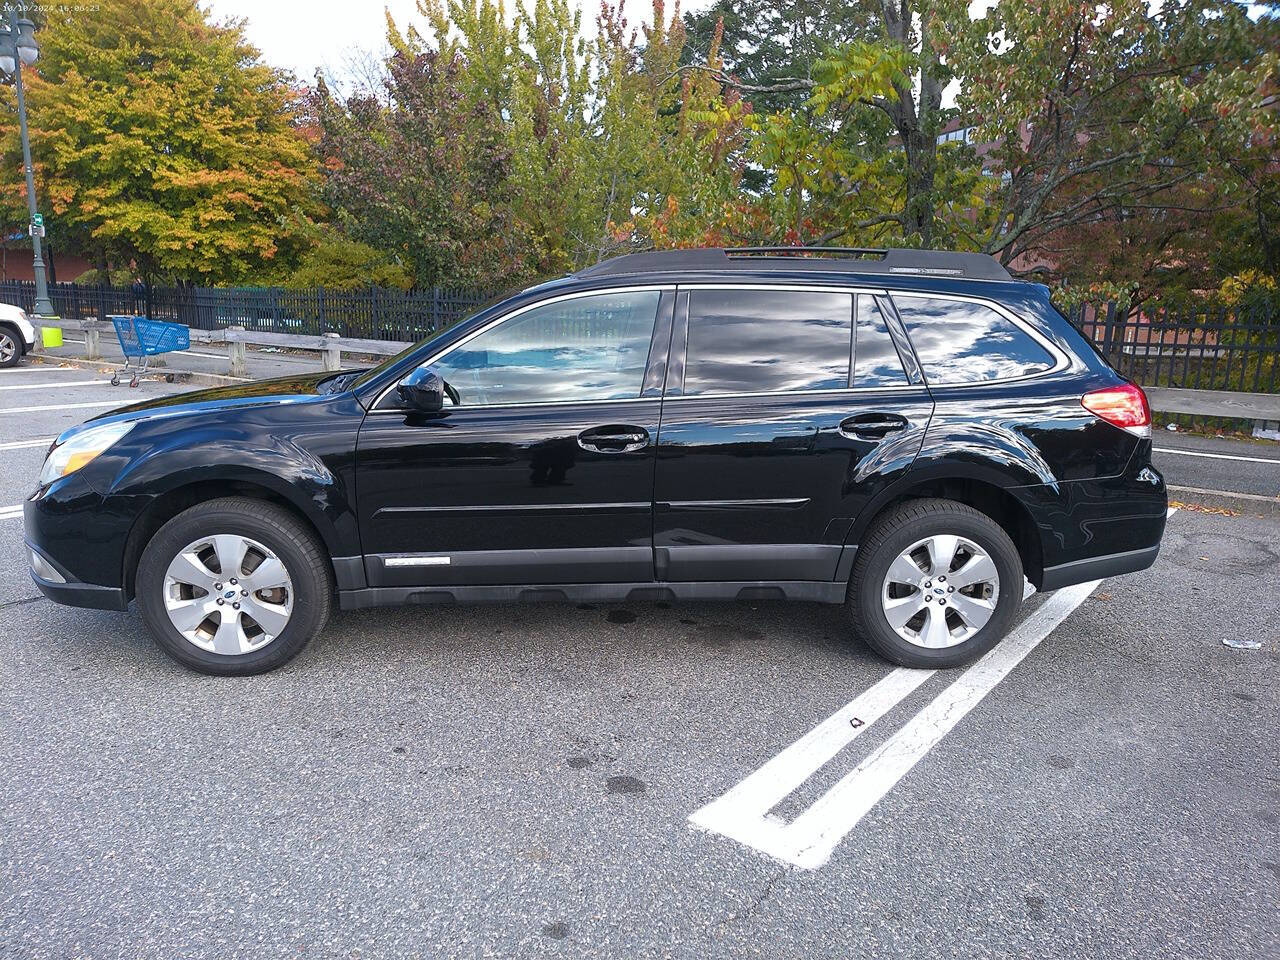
x=162, y=142
x=1118, y=138
x=428, y=180
x=1111, y=122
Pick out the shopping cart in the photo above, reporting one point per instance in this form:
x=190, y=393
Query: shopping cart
x=141, y=339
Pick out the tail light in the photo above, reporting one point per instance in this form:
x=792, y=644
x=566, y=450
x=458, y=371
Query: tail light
x=1124, y=406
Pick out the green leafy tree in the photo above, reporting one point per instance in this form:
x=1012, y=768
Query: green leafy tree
x=335, y=261
x=504, y=148
x=163, y=142
x=858, y=84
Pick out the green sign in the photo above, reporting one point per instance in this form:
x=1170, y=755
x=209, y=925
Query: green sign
x=38, y=219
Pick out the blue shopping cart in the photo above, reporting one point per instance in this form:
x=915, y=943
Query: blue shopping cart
x=141, y=339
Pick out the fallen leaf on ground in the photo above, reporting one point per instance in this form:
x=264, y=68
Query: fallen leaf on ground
x=1201, y=508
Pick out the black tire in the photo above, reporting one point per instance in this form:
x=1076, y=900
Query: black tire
x=282, y=533
x=11, y=347
x=894, y=533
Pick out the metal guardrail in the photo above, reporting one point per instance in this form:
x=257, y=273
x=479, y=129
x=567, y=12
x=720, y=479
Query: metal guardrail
x=329, y=345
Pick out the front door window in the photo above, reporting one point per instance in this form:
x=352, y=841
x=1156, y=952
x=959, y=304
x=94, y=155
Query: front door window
x=573, y=350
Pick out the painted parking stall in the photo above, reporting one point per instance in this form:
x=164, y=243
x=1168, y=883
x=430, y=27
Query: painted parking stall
x=744, y=813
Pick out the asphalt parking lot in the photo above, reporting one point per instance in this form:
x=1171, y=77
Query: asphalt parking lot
x=645, y=780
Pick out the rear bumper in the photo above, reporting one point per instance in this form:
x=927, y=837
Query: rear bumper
x=1092, y=529
x=1098, y=568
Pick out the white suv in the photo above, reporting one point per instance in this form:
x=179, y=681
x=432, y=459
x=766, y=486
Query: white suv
x=17, y=335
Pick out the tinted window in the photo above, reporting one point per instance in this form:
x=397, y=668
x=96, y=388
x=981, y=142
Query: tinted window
x=875, y=361
x=761, y=341
x=585, y=348
x=962, y=342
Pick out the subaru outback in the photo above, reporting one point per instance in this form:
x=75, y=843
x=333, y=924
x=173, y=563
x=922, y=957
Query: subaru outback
x=913, y=434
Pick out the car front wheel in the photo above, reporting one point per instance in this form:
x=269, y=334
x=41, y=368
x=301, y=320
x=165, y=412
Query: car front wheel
x=10, y=348
x=234, y=586
x=935, y=584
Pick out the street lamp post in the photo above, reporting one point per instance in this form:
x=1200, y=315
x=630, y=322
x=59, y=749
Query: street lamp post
x=18, y=46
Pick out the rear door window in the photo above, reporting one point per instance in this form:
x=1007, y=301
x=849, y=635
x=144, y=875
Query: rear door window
x=959, y=341
x=767, y=341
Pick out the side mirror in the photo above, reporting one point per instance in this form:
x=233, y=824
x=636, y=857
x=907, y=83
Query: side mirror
x=424, y=390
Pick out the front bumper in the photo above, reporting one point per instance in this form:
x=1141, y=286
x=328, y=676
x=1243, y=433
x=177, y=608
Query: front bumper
x=79, y=546
x=73, y=593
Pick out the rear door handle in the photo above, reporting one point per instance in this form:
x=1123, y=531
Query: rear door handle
x=872, y=426
x=614, y=438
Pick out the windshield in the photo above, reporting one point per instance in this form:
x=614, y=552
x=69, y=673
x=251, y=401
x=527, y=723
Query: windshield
x=388, y=363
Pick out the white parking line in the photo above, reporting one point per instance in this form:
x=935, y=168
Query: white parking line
x=37, y=368
x=742, y=814
x=11, y=513
x=53, y=386
x=23, y=444
x=1213, y=456
x=63, y=406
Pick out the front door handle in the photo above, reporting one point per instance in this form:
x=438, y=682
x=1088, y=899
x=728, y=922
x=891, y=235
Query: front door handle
x=614, y=438
x=872, y=426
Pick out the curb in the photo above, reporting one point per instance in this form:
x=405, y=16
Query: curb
x=1226, y=499
x=195, y=377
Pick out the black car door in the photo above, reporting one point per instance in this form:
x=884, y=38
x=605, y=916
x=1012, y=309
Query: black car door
x=779, y=425
x=543, y=471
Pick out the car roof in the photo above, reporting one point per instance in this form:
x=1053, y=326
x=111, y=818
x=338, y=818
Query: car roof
x=842, y=261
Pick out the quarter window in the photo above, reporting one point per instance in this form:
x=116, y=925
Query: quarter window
x=766, y=341
x=959, y=341
x=875, y=359
x=583, y=348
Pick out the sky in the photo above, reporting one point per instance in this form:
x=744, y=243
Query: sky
x=303, y=35
x=334, y=35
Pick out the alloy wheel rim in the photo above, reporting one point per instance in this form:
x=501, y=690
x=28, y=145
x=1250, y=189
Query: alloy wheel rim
x=940, y=591
x=8, y=347
x=228, y=594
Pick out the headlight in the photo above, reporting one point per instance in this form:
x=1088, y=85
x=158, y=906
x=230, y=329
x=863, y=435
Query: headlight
x=70, y=456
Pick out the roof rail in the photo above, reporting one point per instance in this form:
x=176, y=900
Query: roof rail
x=933, y=263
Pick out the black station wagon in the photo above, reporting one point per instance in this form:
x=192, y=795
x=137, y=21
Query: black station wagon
x=909, y=433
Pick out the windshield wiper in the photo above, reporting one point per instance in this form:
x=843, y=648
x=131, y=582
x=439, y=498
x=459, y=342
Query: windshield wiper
x=341, y=382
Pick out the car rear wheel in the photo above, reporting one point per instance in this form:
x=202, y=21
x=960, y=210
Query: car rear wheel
x=234, y=586
x=935, y=584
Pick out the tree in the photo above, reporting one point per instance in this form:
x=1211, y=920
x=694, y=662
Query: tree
x=1120, y=113
x=162, y=141
x=773, y=47
x=335, y=261
x=496, y=150
x=856, y=67
x=427, y=178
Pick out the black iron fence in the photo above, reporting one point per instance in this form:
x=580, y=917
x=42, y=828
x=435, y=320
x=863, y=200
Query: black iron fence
x=1202, y=346
x=376, y=313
